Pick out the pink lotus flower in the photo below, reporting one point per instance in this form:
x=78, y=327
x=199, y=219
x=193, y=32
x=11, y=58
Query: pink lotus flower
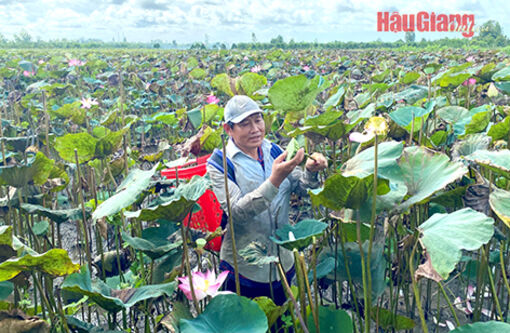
x=211, y=99
x=256, y=69
x=469, y=82
x=470, y=59
x=75, y=62
x=87, y=103
x=306, y=68
x=204, y=284
x=40, y=62
x=245, y=58
x=147, y=85
x=28, y=73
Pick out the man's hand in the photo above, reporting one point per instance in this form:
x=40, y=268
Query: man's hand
x=319, y=164
x=281, y=168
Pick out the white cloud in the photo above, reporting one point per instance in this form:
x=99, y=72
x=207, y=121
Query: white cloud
x=221, y=20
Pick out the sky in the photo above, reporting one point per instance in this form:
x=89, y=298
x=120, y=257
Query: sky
x=187, y=21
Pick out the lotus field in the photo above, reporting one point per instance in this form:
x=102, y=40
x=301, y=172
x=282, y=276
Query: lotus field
x=409, y=230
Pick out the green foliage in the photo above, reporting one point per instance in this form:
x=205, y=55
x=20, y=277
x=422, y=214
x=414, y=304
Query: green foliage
x=471, y=229
x=248, y=317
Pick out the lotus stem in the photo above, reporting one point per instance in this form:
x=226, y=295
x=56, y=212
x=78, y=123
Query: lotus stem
x=415, y=289
x=291, y=296
x=493, y=289
x=301, y=285
x=315, y=284
x=313, y=308
x=230, y=222
x=372, y=222
x=411, y=136
x=452, y=309
x=503, y=267
x=188, y=267
x=84, y=216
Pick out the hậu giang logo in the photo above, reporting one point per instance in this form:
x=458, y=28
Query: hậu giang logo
x=426, y=22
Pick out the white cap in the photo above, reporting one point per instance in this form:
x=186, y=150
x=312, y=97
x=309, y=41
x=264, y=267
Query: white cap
x=239, y=107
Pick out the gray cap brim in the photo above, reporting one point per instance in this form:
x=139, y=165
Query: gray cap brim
x=243, y=116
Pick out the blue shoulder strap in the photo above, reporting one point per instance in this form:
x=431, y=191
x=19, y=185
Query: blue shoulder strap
x=275, y=150
x=216, y=160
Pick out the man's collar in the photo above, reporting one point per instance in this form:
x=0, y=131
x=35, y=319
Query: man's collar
x=232, y=149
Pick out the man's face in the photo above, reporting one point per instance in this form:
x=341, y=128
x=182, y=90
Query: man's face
x=249, y=133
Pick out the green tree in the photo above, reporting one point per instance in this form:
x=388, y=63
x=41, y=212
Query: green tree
x=410, y=37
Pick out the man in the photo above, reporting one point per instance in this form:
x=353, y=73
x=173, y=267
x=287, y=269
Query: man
x=259, y=192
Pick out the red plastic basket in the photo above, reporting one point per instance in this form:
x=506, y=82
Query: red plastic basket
x=209, y=217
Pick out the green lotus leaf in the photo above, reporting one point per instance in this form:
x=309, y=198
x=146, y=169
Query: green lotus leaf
x=113, y=300
x=327, y=124
x=36, y=169
x=472, y=229
x=346, y=192
x=391, y=321
x=6, y=235
x=58, y=178
x=218, y=317
x=109, y=143
x=404, y=117
x=469, y=145
x=209, y=111
x=55, y=262
x=353, y=258
x=453, y=79
x=500, y=130
x=211, y=139
x=292, y=148
x=412, y=94
x=425, y=172
x=128, y=191
x=255, y=253
x=19, y=143
x=478, y=122
x=178, y=206
x=357, y=115
x=410, y=77
x=336, y=98
x=362, y=164
x=324, y=267
x=222, y=83
x=484, y=327
x=56, y=215
x=72, y=111
x=502, y=75
x=195, y=117
x=198, y=73
x=272, y=311
x=500, y=204
x=83, y=142
x=503, y=86
x=298, y=236
x=153, y=248
x=497, y=161
x=6, y=288
x=331, y=320
x=249, y=83
x=295, y=93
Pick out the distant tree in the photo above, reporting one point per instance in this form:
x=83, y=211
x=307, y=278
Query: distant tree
x=253, y=38
x=491, y=34
x=277, y=42
x=174, y=44
x=156, y=45
x=23, y=37
x=410, y=37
